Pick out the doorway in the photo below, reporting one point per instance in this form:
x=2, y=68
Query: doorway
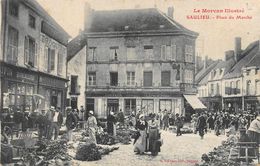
x=112, y=106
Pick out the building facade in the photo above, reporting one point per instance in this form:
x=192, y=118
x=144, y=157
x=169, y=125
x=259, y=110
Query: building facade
x=139, y=59
x=239, y=83
x=33, y=65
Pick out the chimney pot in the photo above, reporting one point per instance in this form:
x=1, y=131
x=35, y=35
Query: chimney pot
x=237, y=48
x=170, y=12
x=229, y=54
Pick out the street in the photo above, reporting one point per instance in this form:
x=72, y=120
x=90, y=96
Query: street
x=184, y=150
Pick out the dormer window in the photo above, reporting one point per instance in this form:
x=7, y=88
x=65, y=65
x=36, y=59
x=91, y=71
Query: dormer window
x=126, y=27
x=162, y=26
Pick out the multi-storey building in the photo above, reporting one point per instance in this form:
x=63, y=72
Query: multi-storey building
x=33, y=62
x=138, y=59
x=238, y=86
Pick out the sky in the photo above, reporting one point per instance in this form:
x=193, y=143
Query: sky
x=215, y=35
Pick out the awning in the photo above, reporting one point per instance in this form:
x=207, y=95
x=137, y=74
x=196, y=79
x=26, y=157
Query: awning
x=194, y=102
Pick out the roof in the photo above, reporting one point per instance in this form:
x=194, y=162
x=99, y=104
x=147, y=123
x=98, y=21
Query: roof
x=76, y=45
x=36, y=7
x=204, y=72
x=129, y=20
x=250, y=53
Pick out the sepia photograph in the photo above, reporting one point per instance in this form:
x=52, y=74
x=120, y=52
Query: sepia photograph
x=130, y=82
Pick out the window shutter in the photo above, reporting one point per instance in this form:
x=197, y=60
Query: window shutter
x=52, y=59
x=46, y=62
x=163, y=52
x=26, y=49
x=36, y=55
x=60, y=62
x=168, y=52
x=148, y=79
x=174, y=52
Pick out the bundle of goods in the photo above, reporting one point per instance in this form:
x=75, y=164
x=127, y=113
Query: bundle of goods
x=123, y=135
x=56, y=149
x=219, y=155
x=105, y=139
x=184, y=130
x=88, y=152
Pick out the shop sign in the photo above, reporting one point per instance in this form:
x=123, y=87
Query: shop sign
x=6, y=72
x=25, y=76
x=52, y=82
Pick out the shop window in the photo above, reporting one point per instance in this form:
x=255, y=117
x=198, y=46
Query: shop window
x=90, y=105
x=148, y=106
x=32, y=21
x=12, y=53
x=114, y=53
x=14, y=8
x=131, y=78
x=91, y=78
x=131, y=54
x=30, y=51
x=148, y=78
x=166, y=105
x=92, y=55
x=130, y=106
x=166, y=78
x=148, y=52
x=113, y=78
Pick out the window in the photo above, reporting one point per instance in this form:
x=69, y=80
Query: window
x=166, y=78
x=148, y=78
x=188, y=53
x=233, y=87
x=30, y=50
x=32, y=21
x=92, y=78
x=51, y=59
x=147, y=106
x=74, y=84
x=114, y=53
x=168, y=52
x=211, y=89
x=12, y=53
x=148, y=52
x=60, y=63
x=217, y=89
x=92, y=54
x=130, y=106
x=131, y=78
x=14, y=8
x=227, y=88
x=188, y=76
x=163, y=52
x=248, y=87
x=237, y=87
x=257, y=84
x=113, y=78
x=131, y=54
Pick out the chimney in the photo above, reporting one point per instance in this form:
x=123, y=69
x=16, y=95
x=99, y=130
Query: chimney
x=237, y=48
x=229, y=54
x=170, y=12
x=87, y=16
x=205, y=62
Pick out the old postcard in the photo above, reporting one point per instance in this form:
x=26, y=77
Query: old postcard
x=130, y=82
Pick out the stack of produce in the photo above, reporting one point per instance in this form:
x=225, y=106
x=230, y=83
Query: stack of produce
x=124, y=135
x=56, y=149
x=105, y=139
x=88, y=152
x=219, y=155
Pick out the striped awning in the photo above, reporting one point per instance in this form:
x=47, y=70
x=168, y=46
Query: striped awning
x=194, y=101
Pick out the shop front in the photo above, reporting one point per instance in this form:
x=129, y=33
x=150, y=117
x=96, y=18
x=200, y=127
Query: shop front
x=252, y=103
x=233, y=104
x=213, y=104
x=54, y=91
x=18, y=88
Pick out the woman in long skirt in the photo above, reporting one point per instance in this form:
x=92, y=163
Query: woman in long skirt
x=140, y=144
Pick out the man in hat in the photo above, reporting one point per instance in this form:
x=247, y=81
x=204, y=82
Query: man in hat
x=91, y=126
x=42, y=124
x=57, y=122
x=111, y=120
x=71, y=122
x=49, y=115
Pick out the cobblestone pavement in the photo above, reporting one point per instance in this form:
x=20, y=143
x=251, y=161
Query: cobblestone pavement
x=180, y=151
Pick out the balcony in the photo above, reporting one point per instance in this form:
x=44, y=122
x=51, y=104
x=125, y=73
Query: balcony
x=188, y=88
